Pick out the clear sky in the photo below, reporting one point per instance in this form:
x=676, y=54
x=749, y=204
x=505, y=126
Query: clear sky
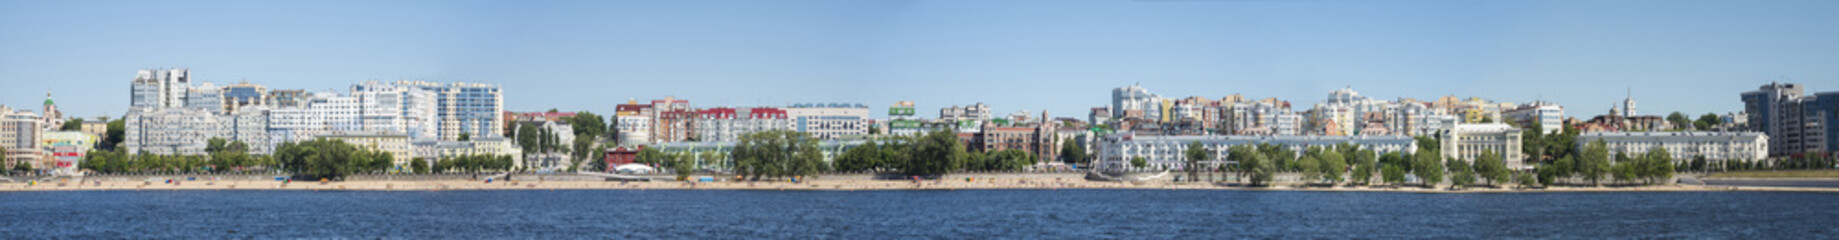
x=1063, y=56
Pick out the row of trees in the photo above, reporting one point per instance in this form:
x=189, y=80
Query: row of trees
x=1593, y=164
x=466, y=163
x=330, y=159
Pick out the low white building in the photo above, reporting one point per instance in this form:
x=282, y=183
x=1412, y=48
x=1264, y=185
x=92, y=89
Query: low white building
x=1116, y=150
x=829, y=120
x=1684, y=146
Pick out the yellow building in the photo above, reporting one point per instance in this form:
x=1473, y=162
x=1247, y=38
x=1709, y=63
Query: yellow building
x=396, y=145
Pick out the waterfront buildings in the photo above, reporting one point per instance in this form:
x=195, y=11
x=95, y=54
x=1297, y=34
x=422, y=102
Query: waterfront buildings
x=728, y=124
x=461, y=108
x=1036, y=138
x=158, y=88
x=1796, y=123
x=395, y=109
x=20, y=134
x=1167, y=152
x=185, y=131
x=1685, y=146
x=829, y=120
x=1548, y=116
x=1467, y=142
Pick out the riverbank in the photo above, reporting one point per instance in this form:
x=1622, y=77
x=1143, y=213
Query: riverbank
x=1780, y=174
x=812, y=185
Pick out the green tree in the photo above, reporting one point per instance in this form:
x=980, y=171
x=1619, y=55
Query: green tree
x=466, y=137
x=1490, y=166
x=1526, y=179
x=1461, y=175
x=1138, y=162
x=1072, y=152
x=22, y=166
x=1332, y=166
x=1595, y=162
x=859, y=158
x=1679, y=121
x=117, y=132
x=1393, y=174
x=682, y=164
x=1429, y=167
x=777, y=153
x=1364, y=165
x=1195, y=154
x=418, y=166
x=1707, y=121
x=74, y=124
x=1251, y=164
x=1657, y=165
x=588, y=123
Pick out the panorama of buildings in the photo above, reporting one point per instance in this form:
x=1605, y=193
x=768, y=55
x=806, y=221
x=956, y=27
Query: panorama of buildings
x=172, y=114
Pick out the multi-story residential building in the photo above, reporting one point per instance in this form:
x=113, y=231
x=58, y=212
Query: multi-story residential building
x=1346, y=113
x=1115, y=151
x=1685, y=146
x=472, y=109
x=1415, y=118
x=205, y=96
x=395, y=109
x=1099, y=115
x=632, y=122
x=1796, y=123
x=157, y=88
x=67, y=149
x=185, y=131
x=1467, y=142
x=1263, y=118
x=1548, y=116
x=19, y=133
x=242, y=95
x=728, y=124
x=1034, y=138
x=829, y=120
x=966, y=114
x=1135, y=101
x=98, y=126
x=671, y=120
x=397, y=145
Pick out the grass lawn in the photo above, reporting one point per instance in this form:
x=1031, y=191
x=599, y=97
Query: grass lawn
x=1779, y=174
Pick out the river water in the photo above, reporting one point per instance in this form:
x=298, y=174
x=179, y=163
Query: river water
x=980, y=214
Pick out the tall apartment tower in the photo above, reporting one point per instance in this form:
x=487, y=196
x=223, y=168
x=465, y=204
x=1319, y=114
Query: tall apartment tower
x=160, y=88
x=1796, y=123
x=474, y=109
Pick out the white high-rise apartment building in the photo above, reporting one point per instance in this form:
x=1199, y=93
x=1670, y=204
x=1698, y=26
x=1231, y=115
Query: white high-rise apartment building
x=1135, y=98
x=157, y=88
x=20, y=135
x=465, y=108
x=394, y=109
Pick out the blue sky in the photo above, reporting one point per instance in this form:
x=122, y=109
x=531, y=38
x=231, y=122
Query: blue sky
x=1063, y=56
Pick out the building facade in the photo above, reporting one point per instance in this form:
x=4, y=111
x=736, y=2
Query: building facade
x=829, y=120
x=20, y=133
x=1467, y=142
x=472, y=109
x=1685, y=146
x=1115, y=151
x=1796, y=123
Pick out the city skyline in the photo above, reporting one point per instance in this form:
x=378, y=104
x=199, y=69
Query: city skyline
x=1692, y=57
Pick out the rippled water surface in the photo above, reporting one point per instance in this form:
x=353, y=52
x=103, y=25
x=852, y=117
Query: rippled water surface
x=1061, y=214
